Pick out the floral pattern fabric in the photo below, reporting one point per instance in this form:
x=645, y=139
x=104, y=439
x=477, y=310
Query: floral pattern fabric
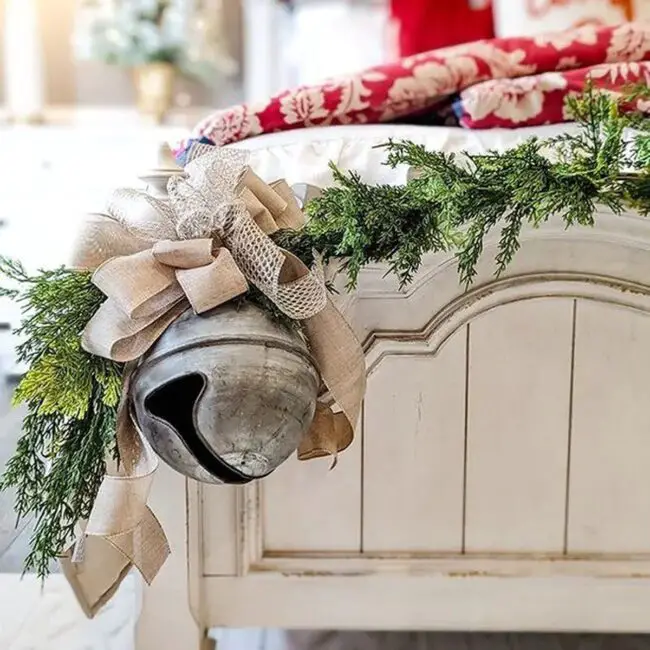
x=540, y=99
x=536, y=72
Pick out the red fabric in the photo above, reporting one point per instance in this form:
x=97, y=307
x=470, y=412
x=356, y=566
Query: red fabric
x=539, y=99
x=419, y=84
x=430, y=24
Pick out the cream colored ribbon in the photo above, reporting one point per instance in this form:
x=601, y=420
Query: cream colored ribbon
x=122, y=531
x=153, y=259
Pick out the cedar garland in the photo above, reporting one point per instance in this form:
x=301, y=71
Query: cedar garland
x=451, y=204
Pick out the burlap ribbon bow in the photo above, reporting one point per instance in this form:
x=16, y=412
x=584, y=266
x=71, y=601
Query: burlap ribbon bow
x=153, y=259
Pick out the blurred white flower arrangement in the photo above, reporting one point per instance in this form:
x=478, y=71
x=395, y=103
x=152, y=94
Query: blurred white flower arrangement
x=133, y=33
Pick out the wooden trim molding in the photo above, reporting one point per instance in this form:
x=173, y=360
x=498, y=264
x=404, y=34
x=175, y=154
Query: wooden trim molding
x=481, y=299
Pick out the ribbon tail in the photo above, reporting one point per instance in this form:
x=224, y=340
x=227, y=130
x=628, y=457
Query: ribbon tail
x=329, y=434
x=108, y=560
x=122, y=531
x=342, y=366
x=94, y=582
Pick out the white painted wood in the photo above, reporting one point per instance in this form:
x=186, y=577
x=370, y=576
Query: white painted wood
x=504, y=565
x=219, y=511
x=520, y=357
x=166, y=620
x=518, y=423
x=414, y=440
x=410, y=602
x=307, y=507
x=609, y=498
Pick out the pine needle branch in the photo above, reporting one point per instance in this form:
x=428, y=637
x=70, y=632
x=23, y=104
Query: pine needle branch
x=454, y=202
x=71, y=399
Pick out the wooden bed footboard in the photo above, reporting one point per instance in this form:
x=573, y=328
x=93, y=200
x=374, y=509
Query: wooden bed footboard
x=499, y=479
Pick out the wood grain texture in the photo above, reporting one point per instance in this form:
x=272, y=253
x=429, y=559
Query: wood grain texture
x=219, y=512
x=434, y=603
x=414, y=442
x=518, y=424
x=609, y=496
x=307, y=507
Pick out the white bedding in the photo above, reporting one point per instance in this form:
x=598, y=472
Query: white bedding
x=302, y=156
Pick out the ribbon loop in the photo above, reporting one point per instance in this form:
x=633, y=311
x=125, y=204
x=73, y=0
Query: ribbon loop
x=208, y=286
x=120, y=279
x=186, y=254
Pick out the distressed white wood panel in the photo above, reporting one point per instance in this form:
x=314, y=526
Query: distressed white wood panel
x=414, y=440
x=219, y=533
x=609, y=489
x=518, y=424
x=307, y=507
x=434, y=602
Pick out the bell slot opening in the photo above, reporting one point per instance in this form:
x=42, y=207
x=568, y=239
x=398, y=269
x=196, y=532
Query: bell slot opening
x=175, y=403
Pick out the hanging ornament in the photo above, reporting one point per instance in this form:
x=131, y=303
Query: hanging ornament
x=227, y=396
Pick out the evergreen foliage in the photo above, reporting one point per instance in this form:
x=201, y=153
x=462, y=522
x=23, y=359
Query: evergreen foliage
x=71, y=401
x=452, y=203
x=455, y=200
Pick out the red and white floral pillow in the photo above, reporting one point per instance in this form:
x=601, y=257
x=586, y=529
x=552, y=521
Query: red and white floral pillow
x=540, y=99
x=425, y=84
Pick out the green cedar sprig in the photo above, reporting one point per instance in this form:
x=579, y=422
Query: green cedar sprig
x=71, y=400
x=455, y=200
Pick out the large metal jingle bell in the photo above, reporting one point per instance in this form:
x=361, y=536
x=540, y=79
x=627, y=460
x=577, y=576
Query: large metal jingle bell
x=226, y=396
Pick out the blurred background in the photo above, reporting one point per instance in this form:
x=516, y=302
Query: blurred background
x=175, y=59
x=90, y=89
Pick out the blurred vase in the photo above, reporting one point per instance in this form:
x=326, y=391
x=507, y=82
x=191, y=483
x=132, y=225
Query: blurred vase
x=154, y=86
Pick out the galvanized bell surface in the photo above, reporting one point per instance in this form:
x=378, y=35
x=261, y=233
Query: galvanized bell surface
x=226, y=396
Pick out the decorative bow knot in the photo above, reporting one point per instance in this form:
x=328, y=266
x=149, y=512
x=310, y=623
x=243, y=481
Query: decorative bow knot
x=153, y=259
x=221, y=214
x=148, y=290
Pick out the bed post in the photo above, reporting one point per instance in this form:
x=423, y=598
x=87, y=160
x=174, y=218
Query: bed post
x=167, y=619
